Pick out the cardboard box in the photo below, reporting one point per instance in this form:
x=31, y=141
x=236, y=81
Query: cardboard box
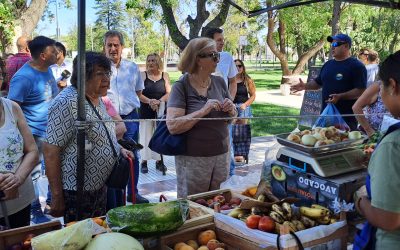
x=232, y=242
x=18, y=235
x=311, y=188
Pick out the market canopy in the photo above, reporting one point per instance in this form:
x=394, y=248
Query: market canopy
x=393, y=4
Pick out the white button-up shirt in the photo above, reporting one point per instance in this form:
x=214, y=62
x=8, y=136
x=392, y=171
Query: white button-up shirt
x=125, y=81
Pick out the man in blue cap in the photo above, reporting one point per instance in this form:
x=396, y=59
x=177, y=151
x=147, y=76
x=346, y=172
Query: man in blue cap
x=342, y=79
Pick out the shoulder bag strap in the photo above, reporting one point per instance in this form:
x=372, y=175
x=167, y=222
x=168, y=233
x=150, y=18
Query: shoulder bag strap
x=108, y=135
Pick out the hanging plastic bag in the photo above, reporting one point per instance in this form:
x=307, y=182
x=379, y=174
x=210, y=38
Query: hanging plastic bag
x=331, y=117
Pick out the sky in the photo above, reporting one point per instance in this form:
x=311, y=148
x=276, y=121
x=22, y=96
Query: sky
x=67, y=18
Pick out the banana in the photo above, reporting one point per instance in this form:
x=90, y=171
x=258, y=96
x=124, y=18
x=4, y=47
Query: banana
x=313, y=212
x=299, y=225
x=324, y=220
x=291, y=226
x=276, y=217
x=322, y=207
x=261, y=198
x=236, y=212
x=278, y=228
x=307, y=222
x=279, y=210
x=333, y=220
x=287, y=210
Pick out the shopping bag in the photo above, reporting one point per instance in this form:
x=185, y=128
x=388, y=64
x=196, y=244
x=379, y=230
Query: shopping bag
x=331, y=117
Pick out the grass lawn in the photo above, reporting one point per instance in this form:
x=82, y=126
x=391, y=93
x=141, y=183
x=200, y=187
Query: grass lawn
x=264, y=79
x=272, y=126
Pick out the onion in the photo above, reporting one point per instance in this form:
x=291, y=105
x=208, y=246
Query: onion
x=355, y=135
x=308, y=140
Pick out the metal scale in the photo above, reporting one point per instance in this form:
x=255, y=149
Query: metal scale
x=325, y=161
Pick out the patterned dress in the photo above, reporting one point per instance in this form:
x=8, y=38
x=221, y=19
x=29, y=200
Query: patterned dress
x=375, y=112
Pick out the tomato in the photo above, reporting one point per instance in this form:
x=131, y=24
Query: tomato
x=252, y=221
x=266, y=224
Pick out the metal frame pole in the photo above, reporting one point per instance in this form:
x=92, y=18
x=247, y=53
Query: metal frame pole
x=80, y=169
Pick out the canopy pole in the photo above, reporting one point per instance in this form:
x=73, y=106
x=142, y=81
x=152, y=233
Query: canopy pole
x=81, y=121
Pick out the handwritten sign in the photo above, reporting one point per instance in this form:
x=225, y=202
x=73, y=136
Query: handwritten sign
x=312, y=101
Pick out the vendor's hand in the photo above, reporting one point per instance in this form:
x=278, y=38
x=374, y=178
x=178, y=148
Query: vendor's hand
x=298, y=87
x=9, y=181
x=62, y=84
x=228, y=105
x=11, y=194
x=334, y=98
x=57, y=206
x=127, y=153
x=243, y=106
x=212, y=104
x=370, y=132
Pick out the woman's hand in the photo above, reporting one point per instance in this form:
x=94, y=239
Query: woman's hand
x=154, y=104
x=127, y=153
x=243, y=106
x=9, y=181
x=212, y=104
x=228, y=106
x=11, y=194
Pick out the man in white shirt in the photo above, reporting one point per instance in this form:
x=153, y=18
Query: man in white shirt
x=226, y=68
x=61, y=66
x=126, y=86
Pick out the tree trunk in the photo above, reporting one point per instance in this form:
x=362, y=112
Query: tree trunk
x=26, y=21
x=176, y=35
x=303, y=59
x=393, y=43
x=335, y=20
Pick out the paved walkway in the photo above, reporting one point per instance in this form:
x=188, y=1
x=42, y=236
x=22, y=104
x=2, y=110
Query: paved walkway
x=275, y=97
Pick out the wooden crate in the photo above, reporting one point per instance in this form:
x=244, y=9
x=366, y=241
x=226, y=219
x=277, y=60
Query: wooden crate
x=232, y=242
x=227, y=193
x=17, y=235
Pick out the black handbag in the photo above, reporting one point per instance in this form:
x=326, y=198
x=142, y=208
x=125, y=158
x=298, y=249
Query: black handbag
x=120, y=173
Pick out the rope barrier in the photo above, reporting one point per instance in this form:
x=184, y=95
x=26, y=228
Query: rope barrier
x=237, y=118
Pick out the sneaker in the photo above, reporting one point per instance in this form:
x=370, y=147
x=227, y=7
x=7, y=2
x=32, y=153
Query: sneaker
x=143, y=167
x=40, y=218
x=160, y=166
x=139, y=199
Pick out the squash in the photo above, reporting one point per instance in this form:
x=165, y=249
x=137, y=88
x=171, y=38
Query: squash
x=148, y=219
x=111, y=241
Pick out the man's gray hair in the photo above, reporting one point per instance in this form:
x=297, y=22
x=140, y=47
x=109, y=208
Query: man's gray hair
x=112, y=33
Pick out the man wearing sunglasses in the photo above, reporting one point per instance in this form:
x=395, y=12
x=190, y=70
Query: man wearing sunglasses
x=226, y=68
x=342, y=79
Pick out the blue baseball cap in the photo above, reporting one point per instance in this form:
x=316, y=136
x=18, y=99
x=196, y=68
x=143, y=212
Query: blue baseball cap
x=340, y=37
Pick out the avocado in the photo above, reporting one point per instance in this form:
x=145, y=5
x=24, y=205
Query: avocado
x=278, y=173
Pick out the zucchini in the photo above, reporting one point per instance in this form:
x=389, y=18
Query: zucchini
x=148, y=219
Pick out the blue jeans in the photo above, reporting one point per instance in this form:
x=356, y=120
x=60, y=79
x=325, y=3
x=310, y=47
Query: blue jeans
x=132, y=132
x=232, y=164
x=36, y=208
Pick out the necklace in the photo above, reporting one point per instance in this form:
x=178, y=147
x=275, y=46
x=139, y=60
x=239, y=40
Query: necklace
x=203, y=84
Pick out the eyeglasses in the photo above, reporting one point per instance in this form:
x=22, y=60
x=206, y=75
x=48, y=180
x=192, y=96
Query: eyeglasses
x=239, y=66
x=214, y=55
x=337, y=44
x=104, y=74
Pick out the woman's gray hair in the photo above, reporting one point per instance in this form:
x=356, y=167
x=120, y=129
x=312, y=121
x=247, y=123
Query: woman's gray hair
x=112, y=33
x=92, y=59
x=195, y=47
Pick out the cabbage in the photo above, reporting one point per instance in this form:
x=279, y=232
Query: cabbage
x=73, y=237
x=114, y=241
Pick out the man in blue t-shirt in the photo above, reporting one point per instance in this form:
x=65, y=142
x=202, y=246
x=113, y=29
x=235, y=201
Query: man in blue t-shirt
x=342, y=79
x=33, y=87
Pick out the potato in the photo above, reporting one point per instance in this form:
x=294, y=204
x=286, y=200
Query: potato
x=205, y=236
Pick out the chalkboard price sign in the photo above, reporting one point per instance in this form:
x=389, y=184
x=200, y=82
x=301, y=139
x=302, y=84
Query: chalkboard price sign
x=312, y=101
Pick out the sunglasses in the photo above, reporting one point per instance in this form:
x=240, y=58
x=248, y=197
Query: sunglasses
x=239, y=65
x=214, y=55
x=337, y=44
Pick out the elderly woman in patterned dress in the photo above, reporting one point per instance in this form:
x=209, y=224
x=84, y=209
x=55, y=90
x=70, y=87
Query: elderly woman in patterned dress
x=60, y=149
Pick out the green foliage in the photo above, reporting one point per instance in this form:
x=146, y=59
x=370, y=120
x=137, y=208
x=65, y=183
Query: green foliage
x=6, y=23
x=110, y=14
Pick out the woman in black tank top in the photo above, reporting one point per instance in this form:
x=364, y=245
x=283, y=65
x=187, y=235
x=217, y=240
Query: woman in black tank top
x=152, y=104
x=245, y=94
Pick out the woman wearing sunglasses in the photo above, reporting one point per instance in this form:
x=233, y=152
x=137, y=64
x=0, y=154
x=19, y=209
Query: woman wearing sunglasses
x=198, y=94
